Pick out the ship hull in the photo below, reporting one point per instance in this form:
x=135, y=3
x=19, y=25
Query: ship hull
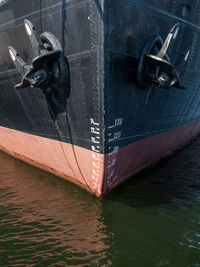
x=47, y=154
x=101, y=128
x=60, y=158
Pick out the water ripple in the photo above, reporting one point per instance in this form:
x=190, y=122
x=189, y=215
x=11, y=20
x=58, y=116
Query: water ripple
x=153, y=220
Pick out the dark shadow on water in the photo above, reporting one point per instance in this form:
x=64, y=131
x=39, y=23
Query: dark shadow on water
x=46, y=221
x=177, y=176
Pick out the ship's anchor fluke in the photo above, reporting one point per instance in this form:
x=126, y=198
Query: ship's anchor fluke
x=48, y=67
x=155, y=66
x=20, y=64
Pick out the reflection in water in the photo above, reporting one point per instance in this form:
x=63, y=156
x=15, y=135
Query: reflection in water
x=152, y=220
x=157, y=214
x=47, y=221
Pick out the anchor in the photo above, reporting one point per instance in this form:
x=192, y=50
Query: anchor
x=49, y=69
x=48, y=66
x=155, y=66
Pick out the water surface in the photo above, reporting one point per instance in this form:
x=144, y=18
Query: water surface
x=152, y=220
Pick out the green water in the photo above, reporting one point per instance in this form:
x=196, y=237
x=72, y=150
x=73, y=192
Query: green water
x=153, y=220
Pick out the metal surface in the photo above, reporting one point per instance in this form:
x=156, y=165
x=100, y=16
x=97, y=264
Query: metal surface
x=147, y=113
x=76, y=25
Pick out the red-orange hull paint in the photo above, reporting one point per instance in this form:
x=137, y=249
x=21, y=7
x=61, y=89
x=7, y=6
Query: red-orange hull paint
x=78, y=165
x=72, y=163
